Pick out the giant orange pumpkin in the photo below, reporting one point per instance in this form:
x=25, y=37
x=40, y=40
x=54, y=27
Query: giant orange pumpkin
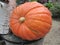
x=30, y=21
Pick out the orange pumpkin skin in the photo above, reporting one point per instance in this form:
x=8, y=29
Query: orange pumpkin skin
x=30, y=21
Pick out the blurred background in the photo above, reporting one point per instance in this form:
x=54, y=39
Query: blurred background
x=52, y=38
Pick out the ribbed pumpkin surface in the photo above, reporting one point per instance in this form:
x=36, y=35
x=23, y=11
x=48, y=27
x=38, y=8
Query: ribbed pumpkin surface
x=30, y=21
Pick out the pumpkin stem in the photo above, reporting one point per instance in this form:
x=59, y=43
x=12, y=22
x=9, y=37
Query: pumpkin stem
x=22, y=19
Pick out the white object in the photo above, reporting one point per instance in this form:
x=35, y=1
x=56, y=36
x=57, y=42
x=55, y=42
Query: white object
x=5, y=12
x=3, y=5
x=4, y=29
